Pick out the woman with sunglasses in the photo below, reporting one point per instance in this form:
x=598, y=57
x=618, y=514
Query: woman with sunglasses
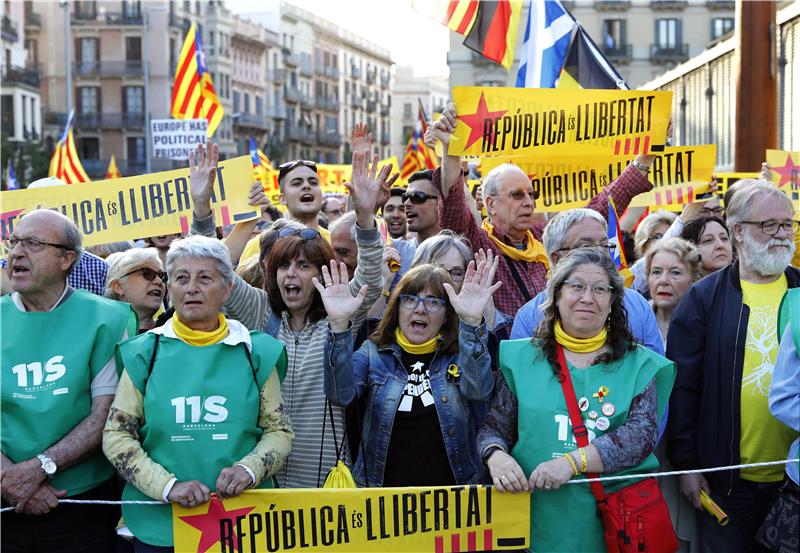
x=425, y=374
x=290, y=309
x=136, y=277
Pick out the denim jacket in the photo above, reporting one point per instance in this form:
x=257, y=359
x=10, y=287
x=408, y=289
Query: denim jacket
x=461, y=403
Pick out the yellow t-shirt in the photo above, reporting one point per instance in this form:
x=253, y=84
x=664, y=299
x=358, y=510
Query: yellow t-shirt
x=253, y=246
x=763, y=437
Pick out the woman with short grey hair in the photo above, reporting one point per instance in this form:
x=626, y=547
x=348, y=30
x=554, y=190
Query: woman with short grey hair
x=136, y=277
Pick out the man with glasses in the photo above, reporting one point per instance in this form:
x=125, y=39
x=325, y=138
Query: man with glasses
x=723, y=339
x=567, y=232
x=511, y=229
x=58, y=380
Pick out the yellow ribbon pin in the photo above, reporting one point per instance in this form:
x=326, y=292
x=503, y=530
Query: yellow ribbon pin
x=601, y=393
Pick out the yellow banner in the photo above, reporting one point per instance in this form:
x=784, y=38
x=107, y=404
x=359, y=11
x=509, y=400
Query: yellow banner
x=785, y=168
x=500, y=121
x=724, y=180
x=407, y=520
x=114, y=210
x=568, y=181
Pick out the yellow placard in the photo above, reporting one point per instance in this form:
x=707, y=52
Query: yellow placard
x=502, y=121
x=724, y=180
x=785, y=168
x=567, y=182
x=114, y=210
x=407, y=520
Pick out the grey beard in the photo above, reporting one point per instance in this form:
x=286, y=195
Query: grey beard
x=759, y=259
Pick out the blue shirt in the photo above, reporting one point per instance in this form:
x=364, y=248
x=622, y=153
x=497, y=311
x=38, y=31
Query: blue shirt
x=784, y=395
x=641, y=319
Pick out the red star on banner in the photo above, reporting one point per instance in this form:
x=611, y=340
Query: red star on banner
x=475, y=121
x=788, y=171
x=208, y=523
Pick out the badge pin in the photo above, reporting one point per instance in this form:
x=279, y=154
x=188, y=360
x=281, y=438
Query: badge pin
x=583, y=403
x=602, y=424
x=601, y=394
x=608, y=409
x=453, y=373
x=592, y=414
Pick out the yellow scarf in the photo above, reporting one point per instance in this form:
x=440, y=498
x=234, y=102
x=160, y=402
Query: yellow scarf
x=533, y=252
x=580, y=345
x=416, y=349
x=199, y=337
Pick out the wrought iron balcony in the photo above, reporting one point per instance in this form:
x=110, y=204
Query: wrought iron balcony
x=112, y=68
x=9, y=30
x=253, y=121
x=33, y=19
x=293, y=94
x=277, y=76
x=329, y=138
x=669, y=54
x=109, y=120
x=621, y=52
x=668, y=4
x=21, y=75
x=355, y=71
x=124, y=19
x=276, y=112
x=290, y=59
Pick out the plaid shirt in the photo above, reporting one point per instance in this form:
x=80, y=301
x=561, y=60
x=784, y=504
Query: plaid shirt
x=89, y=274
x=454, y=214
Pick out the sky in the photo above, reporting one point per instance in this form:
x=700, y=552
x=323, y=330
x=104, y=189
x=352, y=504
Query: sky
x=411, y=37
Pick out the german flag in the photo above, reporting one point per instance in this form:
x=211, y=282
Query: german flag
x=193, y=93
x=494, y=32
x=460, y=15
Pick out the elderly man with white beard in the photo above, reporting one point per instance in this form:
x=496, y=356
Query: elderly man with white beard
x=723, y=338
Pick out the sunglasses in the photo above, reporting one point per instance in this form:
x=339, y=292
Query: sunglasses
x=304, y=233
x=149, y=274
x=284, y=168
x=418, y=197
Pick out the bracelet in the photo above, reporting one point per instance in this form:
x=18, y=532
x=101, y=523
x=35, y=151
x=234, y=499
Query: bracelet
x=640, y=167
x=582, y=451
x=572, y=463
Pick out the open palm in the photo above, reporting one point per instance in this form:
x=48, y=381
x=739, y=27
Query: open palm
x=339, y=303
x=476, y=292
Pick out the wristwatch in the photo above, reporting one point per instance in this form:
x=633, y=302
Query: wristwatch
x=48, y=465
x=640, y=167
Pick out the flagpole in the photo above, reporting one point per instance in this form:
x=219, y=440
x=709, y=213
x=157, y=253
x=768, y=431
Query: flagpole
x=68, y=52
x=146, y=64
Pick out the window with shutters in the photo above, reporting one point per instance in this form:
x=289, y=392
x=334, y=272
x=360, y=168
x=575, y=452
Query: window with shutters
x=133, y=48
x=133, y=100
x=720, y=26
x=135, y=148
x=88, y=100
x=668, y=33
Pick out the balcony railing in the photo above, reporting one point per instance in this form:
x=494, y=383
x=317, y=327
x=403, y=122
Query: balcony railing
x=326, y=138
x=305, y=69
x=612, y=5
x=276, y=112
x=622, y=52
x=721, y=4
x=55, y=118
x=85, y=12
x=668, y=4
x=33, y=19
x=307, y=102
x=332, y=72
x=291, y=59
x=21, y=75
x=277, y=76
x=9, y=30
x=293, y=94
x=253, y=121
x=328, y=103
x=301, y=134
x=371, y=77
x=96, y=168
x=112, y=68
x=355, y=71
x=669, y=54
x=109, y=120
x=371, y=105
x=357, y=102
x=124, y=19
x=319, y=70
x=385, y=110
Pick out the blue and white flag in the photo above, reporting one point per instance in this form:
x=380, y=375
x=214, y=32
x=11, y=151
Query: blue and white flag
x=545, y=45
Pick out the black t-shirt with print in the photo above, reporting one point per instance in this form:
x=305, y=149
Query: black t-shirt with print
x=417, y=455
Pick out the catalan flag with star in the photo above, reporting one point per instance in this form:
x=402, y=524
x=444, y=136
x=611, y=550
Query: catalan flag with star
x=65, y=163
x=193, y=93
x=615, y=239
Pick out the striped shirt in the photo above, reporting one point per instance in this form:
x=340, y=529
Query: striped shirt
x=303, y=389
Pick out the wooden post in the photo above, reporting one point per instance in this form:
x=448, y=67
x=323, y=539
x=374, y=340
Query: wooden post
x=756, y=83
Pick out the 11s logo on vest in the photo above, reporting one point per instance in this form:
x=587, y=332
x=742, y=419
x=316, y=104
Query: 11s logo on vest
x=203, y=414
x=33, y=377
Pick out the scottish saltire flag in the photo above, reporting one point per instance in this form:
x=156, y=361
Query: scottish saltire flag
x=615, y=239
x=11, y=178
x=545, y=45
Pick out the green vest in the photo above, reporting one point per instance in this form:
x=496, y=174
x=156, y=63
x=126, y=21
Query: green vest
x=790, y=313
x=566, y=519
x=201, y=409
x=49, y=360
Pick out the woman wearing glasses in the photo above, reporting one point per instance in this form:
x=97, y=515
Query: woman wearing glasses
x=621, y=390
x=290, y=309
x=425, y=374
x=136, y=277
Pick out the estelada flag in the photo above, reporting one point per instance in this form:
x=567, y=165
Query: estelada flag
x=615, y=238
x=65, y=163
x=494, y=32
x=113, y=171
x=193, y=93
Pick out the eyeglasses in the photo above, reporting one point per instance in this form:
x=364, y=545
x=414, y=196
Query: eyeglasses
x=610, y=247
x=284, y=168
x=418, y=197
x=148, y=274
x=304, y=233
x=772, y=227
x=519, y=195
x=30, y=244
x=599, y=291
x=430, y=303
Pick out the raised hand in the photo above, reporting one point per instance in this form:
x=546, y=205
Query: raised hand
x=475, y=293
x=361, y=139
x=257, y=197
x=445, y=126
x=385, y=190
x=339, y=303
x=203, y=173
x=365, y=187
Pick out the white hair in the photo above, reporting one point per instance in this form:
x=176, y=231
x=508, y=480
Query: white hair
x=201, y=247
x=122, y=263
x=555, y=232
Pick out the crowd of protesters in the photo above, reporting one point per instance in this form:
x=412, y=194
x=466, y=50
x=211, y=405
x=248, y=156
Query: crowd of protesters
x=423, y=335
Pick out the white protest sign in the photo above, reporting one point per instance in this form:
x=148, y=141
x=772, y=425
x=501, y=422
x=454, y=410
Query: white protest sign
x=175, y=138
